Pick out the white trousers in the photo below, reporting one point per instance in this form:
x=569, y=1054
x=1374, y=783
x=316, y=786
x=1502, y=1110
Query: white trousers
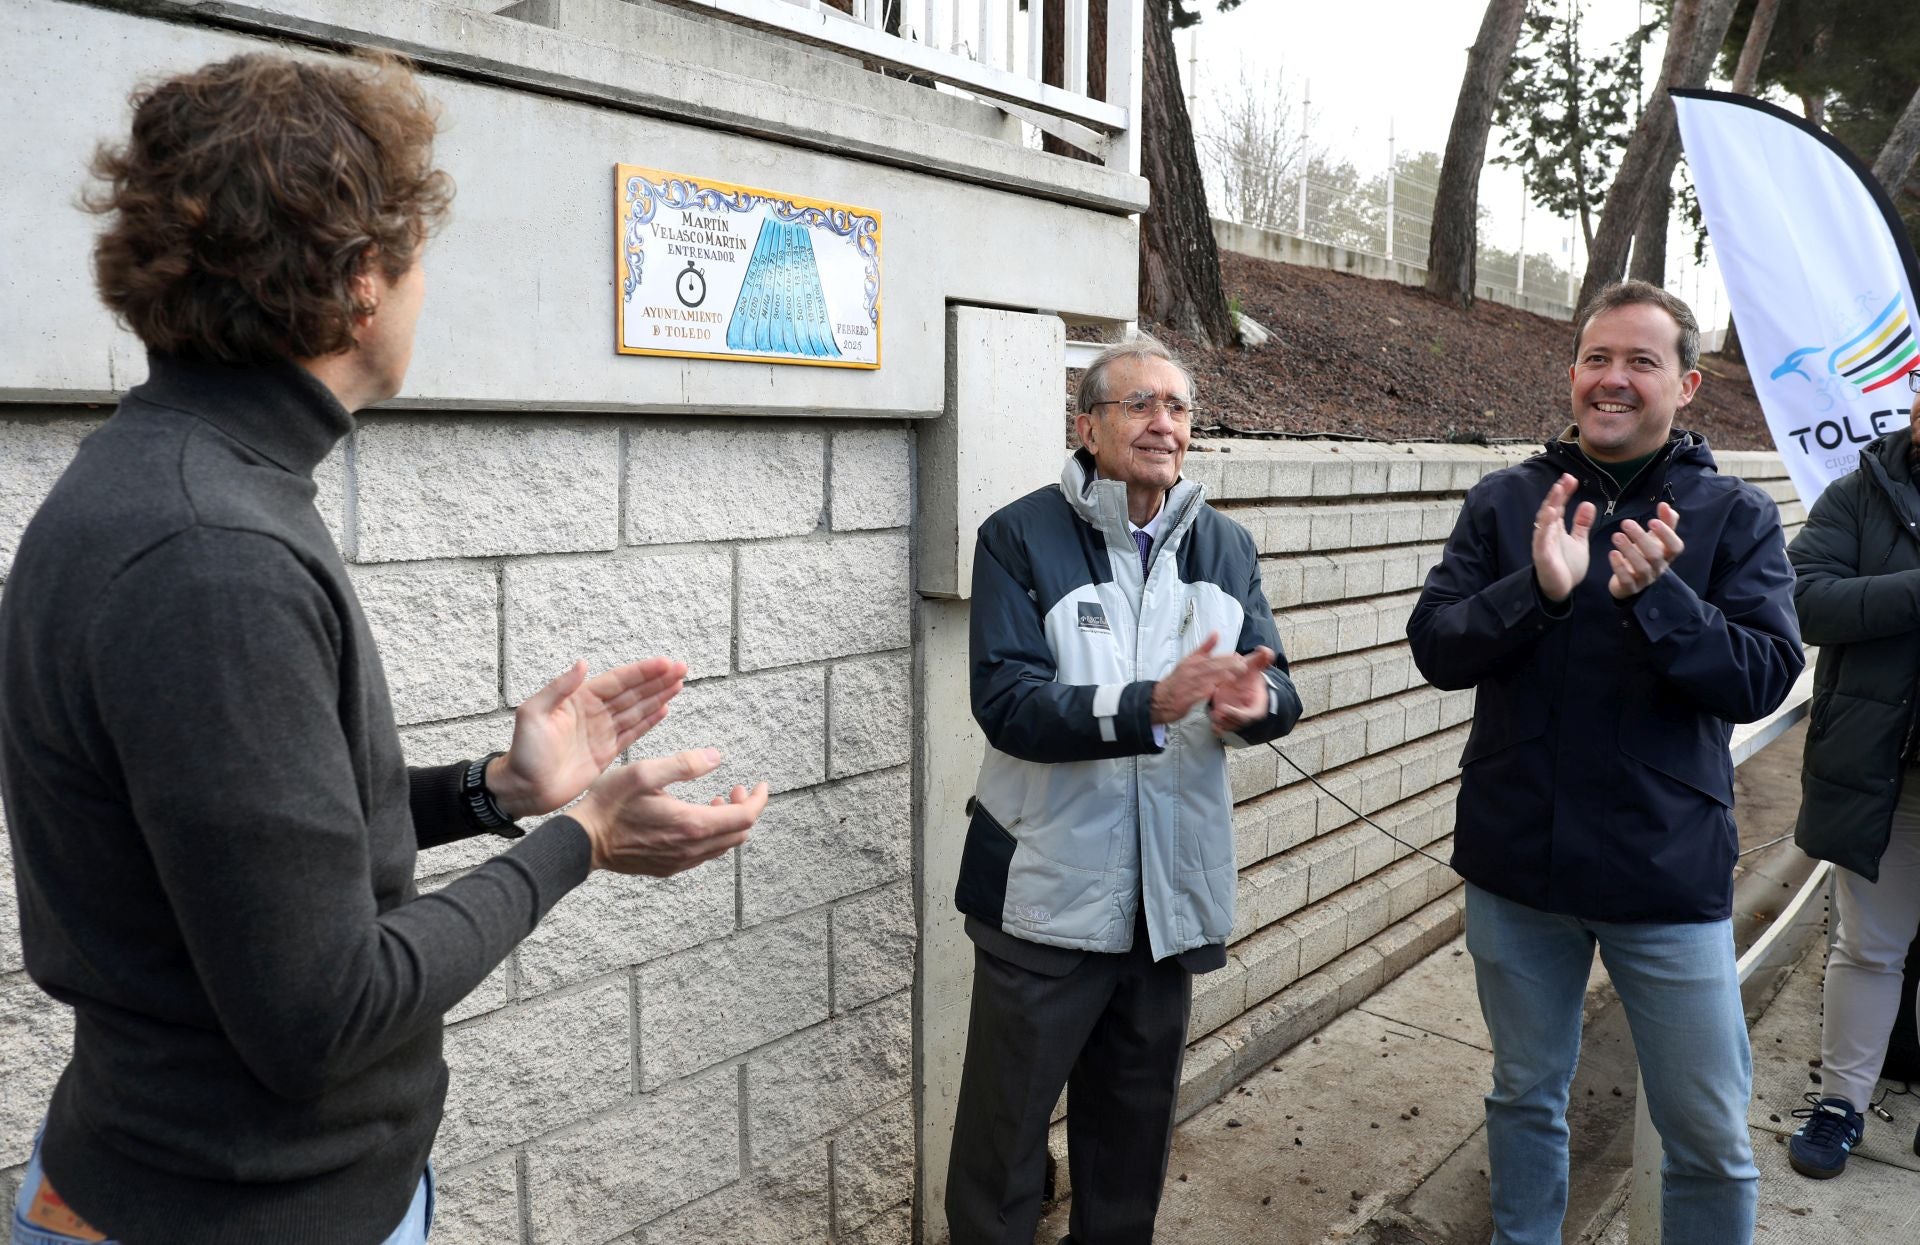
x=1873, y=926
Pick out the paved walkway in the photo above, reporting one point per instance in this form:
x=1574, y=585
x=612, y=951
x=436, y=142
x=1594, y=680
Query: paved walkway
x=1371, y=1132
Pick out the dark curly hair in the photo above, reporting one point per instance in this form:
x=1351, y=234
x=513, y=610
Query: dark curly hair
x=250, y=194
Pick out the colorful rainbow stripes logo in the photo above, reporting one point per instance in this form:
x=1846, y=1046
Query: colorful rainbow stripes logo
x=1883, y=352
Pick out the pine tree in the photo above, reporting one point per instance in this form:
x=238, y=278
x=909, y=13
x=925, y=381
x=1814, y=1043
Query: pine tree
x=1453, y=245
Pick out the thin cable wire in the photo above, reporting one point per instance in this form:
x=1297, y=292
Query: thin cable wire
x=1769, y=843
x=1429, y=855
x=1356, y=812
x=1905, y=1091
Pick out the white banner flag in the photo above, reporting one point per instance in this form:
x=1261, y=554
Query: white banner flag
x=1821, y=274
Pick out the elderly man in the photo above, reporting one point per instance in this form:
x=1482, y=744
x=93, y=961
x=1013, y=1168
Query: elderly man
x=1120, y=642
x=213, y=828
x=1596, y=791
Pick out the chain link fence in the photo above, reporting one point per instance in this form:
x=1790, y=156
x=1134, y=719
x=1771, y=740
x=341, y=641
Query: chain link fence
x=1334, y=206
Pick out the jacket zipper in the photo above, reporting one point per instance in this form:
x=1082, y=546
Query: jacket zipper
x=1139, y=638
x=1133, y=789
x=1601, y=478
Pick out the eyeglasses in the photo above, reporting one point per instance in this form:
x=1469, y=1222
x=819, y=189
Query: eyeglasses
x=1141, y=406
x=1913, y=380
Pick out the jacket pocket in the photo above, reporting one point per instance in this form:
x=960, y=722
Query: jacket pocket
x=1502, y=717
x=985, y=861
x=1705, y=767
x=1822, y=712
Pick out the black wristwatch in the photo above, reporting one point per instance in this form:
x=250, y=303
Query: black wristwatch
x=481, y=806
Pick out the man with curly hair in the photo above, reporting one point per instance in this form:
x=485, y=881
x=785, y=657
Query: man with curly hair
x=212, y=826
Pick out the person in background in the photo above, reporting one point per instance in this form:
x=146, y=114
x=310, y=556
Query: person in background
x=213, y=830
x=1857, y=592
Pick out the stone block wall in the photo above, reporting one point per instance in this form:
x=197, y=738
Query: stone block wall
x=1329, y=908
x=728, y=1055
x=723, y=1056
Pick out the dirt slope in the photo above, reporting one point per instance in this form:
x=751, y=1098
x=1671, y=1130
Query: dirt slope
x=1353, y=356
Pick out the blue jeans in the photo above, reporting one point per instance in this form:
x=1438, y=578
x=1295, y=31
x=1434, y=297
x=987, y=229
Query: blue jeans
x=413, y=1230
x=1682, y=997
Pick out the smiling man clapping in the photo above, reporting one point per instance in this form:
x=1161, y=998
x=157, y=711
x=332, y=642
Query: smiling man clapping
x=1120, y=641
x=1617, y=604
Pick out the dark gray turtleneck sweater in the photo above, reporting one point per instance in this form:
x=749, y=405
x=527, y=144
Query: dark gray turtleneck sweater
x=214, y=834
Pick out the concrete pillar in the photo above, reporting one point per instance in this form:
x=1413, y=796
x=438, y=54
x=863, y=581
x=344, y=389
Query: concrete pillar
x=999, y=438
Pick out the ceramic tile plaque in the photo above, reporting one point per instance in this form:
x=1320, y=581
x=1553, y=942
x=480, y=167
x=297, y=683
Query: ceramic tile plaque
x=711, y=270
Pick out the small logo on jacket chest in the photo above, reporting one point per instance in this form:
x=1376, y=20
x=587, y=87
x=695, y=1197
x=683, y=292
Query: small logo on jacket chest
x=1093, y=617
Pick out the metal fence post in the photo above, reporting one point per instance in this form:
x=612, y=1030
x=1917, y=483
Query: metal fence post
x=1390, y=181
x=1306, y=116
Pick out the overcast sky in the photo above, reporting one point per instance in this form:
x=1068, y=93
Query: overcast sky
x=1373, y=64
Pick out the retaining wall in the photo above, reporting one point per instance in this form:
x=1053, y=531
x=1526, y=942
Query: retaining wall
x=697, y=1054
x=1329, y=908
x=1286, y=248
x=748, y=1027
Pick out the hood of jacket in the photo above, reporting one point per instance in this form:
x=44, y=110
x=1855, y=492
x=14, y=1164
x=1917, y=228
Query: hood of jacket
x=1888, y=462
x=1653, y=483
x=1102, y=503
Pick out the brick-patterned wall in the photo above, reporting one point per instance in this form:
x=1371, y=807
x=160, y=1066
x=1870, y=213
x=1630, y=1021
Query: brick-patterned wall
x=722, y=1056
x=725, y=1056
x=1329, y=909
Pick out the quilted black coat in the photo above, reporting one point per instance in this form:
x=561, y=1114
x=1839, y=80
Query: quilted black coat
x=1857, y=593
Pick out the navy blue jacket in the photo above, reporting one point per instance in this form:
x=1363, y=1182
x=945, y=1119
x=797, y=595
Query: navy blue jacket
x=1596, y=781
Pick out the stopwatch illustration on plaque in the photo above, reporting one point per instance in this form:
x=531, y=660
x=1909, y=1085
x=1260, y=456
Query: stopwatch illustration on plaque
x=690, y=287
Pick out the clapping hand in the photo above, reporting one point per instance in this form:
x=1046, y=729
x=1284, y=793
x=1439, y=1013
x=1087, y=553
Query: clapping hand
x=1244, y=697
x=635, y=826
x=1195, y=679
x=1559, y=555
x=1641, y=555
x=568, y=732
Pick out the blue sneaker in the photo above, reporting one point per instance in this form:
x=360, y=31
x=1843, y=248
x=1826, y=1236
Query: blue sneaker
x=1832, y=1129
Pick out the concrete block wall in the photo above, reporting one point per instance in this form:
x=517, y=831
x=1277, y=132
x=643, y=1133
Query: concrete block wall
x=1329, y=908
x=1287, y=248
x=745, y=1031
x=721, y=1056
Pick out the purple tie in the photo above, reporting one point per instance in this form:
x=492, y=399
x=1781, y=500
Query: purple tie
x=1144, y=542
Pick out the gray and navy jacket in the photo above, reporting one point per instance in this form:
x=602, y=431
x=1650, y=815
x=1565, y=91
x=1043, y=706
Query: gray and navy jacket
x=1080, y=815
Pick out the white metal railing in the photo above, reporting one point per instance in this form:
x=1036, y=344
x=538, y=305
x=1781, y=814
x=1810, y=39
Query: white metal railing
x=987, y=48
x=1643, y=1198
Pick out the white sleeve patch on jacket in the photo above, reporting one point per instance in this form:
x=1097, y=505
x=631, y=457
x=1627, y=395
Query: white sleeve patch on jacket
x=1106, y=704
